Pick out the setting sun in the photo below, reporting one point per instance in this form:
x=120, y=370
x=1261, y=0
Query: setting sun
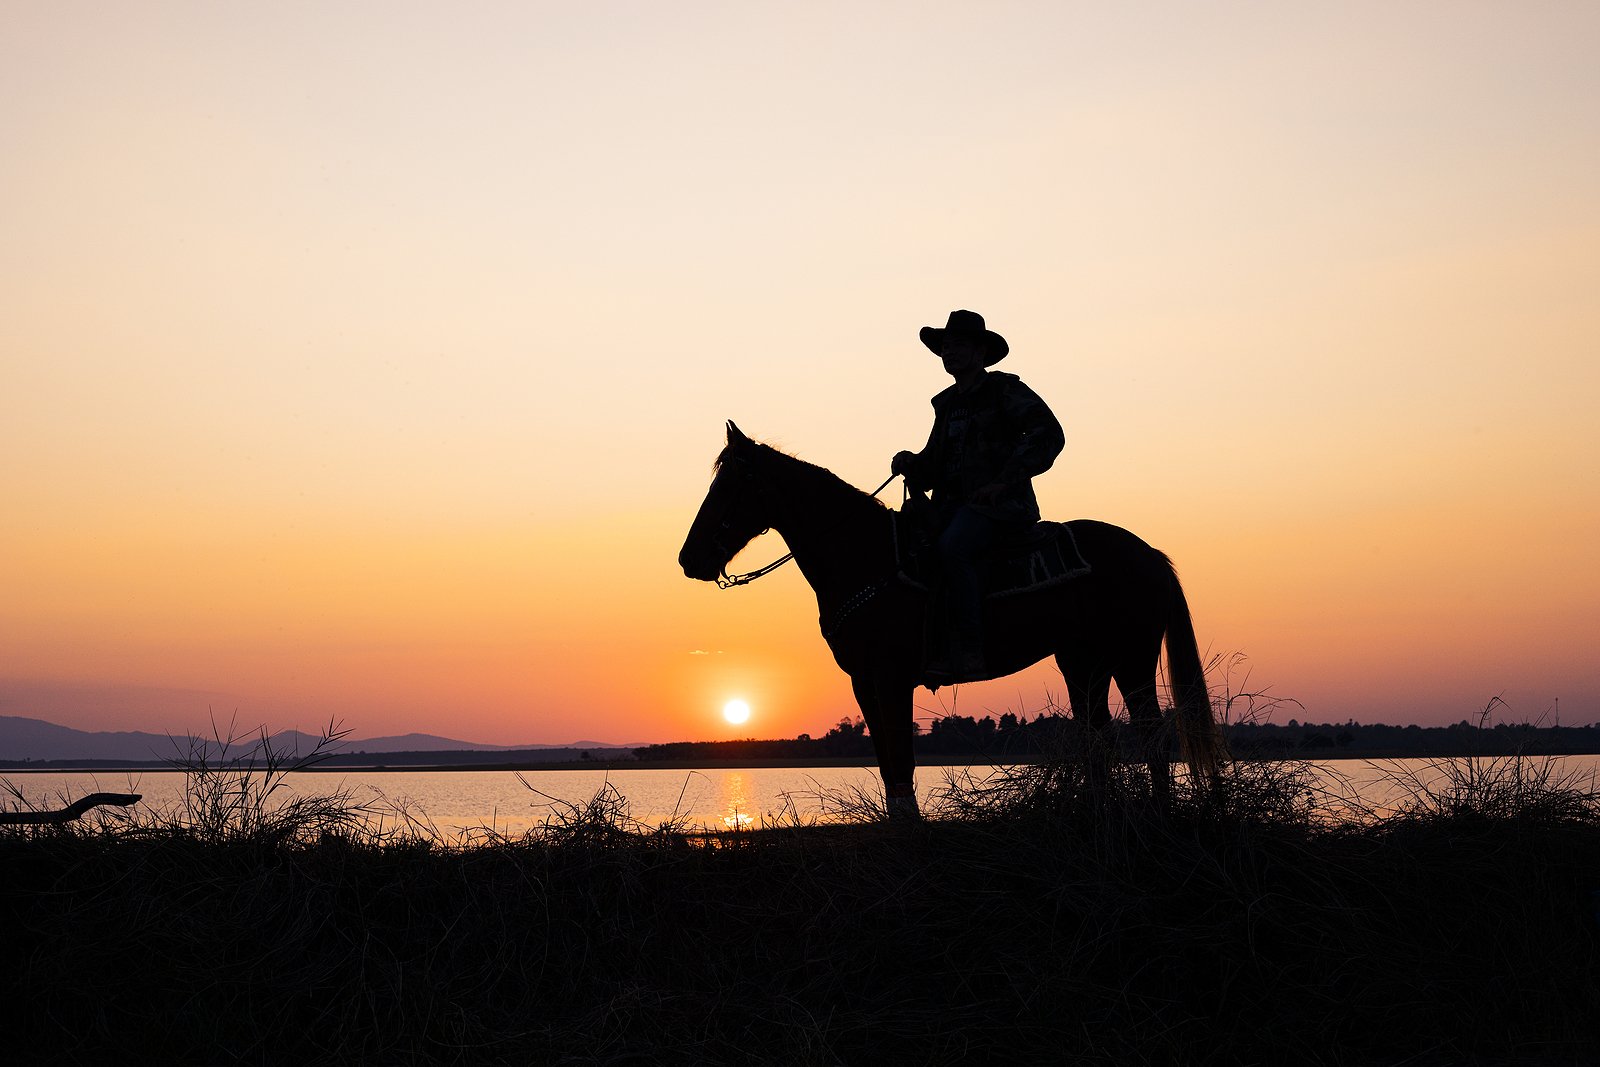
x=736, y=712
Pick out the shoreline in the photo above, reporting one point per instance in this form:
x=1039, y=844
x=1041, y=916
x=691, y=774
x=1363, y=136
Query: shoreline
x=792, y=763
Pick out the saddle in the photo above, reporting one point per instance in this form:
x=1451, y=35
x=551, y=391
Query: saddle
x=1035, y=557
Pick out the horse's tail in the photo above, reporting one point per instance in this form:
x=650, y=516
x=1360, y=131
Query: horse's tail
x=1199, y=738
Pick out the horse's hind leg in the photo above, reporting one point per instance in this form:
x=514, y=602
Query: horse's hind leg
x=1144, y=709
x=1088, y=692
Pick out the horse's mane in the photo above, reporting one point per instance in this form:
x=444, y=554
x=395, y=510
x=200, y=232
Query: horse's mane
x=817, y=480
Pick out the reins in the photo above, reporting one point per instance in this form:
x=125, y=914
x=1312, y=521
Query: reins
x=728, y=581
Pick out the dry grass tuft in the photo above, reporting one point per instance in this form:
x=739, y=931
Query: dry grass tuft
x=1050, y=914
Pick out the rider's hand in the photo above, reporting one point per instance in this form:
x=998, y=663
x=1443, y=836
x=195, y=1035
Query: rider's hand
x=901, y=463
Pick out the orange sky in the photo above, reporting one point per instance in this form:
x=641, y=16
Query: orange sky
x=371, y=368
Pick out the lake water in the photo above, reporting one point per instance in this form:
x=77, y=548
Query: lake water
x=456, y=803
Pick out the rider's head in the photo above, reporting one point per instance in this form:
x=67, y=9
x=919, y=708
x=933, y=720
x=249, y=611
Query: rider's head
x=962, y=355
x=965, y=343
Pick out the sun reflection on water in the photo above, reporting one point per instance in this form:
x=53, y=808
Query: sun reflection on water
x=734, y=801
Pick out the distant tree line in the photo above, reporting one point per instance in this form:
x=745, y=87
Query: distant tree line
x=848, y=738
x=1380, y=740
x=1013, y=736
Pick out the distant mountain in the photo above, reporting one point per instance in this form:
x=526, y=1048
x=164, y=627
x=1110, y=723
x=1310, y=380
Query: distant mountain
x=35, y=739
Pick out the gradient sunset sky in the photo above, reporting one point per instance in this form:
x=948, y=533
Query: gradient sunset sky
x=367, y=361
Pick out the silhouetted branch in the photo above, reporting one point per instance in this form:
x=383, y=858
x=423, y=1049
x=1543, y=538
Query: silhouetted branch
x=71, y=811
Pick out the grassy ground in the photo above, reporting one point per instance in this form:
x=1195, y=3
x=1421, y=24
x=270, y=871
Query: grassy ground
x=1053, y=917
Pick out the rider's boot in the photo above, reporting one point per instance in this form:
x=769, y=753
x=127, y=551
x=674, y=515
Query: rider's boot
x=966, y=651
x=958, y=666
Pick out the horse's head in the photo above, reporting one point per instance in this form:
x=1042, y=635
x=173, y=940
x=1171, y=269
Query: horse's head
x=734, y=511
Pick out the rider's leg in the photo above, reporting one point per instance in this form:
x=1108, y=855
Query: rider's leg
x=962, y=546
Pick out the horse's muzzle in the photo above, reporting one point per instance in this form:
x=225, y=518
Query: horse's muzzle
x=701, y=569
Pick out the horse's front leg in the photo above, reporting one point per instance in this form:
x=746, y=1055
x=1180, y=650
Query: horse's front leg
x=886, y=705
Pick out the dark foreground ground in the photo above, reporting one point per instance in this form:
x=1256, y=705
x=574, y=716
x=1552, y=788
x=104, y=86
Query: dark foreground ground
x=1042, y=923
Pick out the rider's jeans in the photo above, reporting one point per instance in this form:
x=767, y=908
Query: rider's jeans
x=963, y=544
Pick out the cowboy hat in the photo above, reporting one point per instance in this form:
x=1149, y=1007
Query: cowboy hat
x=967, y=324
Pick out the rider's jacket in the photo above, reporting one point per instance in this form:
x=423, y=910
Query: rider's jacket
x=1002, y=432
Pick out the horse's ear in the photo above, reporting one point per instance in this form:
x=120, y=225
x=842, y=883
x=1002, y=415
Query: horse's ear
x=735, y=435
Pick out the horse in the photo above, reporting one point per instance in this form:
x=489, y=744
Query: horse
x=1106, y=625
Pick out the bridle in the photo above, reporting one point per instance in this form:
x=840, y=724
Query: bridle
x=719, y=535
x=728, y=581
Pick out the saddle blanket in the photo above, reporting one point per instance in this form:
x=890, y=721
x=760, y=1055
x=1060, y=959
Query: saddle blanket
x=1044, y=555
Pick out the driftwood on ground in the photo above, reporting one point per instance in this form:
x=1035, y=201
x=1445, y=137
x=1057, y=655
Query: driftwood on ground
x=71, y=811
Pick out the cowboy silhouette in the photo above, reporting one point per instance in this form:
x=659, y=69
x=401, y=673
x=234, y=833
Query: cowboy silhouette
x=991, y=436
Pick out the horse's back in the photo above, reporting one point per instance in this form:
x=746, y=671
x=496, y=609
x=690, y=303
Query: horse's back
x=1123, y=566
x=1098, y=536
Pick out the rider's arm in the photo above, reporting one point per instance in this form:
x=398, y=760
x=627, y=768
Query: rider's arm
x=916, y=467
x=1041, y=437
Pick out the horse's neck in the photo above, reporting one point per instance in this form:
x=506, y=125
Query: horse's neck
x=840, y=537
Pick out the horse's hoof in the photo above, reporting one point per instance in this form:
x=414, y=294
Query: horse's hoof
x=903, y=809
